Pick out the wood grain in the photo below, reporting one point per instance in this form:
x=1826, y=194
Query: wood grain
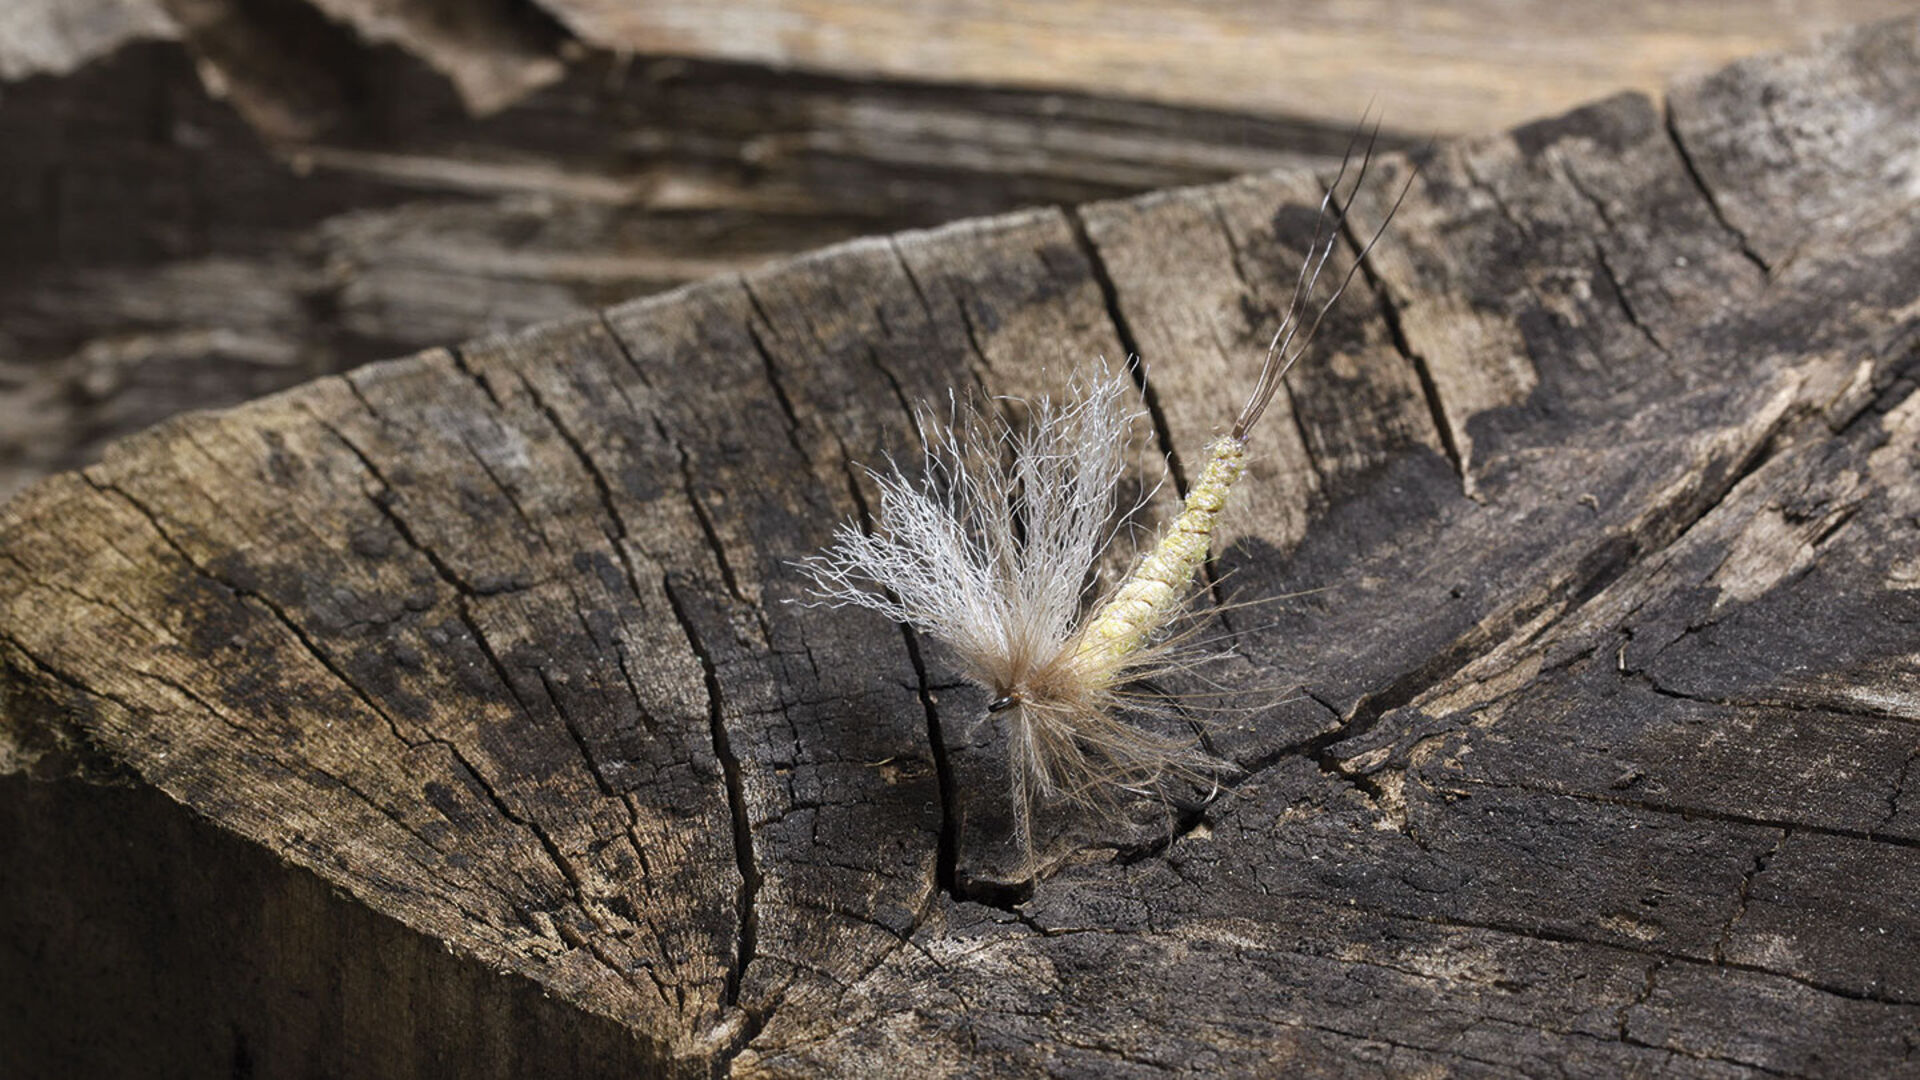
x=210, y=200
x=1456, y=67
x=162, y=256
x=476, y=691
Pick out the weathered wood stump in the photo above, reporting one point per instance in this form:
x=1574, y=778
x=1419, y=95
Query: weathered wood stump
x=206, y=201
x=454, y=717
x=217, y=207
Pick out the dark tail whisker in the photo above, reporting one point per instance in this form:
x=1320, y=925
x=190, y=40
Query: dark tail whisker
x=1347, y=279
x=1282, y=353
x=1295, y=303
x=1333, y=238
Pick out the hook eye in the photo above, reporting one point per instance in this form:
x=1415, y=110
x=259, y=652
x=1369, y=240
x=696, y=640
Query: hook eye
x=1002, y=704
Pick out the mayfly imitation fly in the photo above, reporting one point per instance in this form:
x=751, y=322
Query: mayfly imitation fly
x=991, y=551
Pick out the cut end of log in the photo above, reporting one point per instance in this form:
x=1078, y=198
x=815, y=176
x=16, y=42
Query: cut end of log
x=464, y=717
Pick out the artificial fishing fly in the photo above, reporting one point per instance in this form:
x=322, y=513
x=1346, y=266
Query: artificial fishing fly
x=991, y=551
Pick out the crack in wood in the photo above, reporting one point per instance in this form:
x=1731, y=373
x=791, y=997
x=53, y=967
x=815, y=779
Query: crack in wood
x=1822, y=707
x=1136, y=363
x=1741, y=243
x=1423, y=372
x=772, y=368
x=744, y=862
x=1894, y=796
x=1620, y=297
x=704, y=517
x=980, y=361
x=1692, y=812
x=1639, y=999
x=1759, y=866
x=1539, y=933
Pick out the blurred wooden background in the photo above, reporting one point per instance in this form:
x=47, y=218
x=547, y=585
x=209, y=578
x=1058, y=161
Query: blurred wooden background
x=206, y=200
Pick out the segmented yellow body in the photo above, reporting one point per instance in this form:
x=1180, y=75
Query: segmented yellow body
x=1151, y=595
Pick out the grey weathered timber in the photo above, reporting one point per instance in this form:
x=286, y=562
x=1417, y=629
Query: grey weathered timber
x=206, y=201
x=1451, y=66
x=263, y=198
x=462, y=715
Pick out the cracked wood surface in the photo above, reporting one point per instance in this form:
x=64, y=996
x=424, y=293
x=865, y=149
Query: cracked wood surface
x=206, y=212
x=207, y=201
x=457, y=716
